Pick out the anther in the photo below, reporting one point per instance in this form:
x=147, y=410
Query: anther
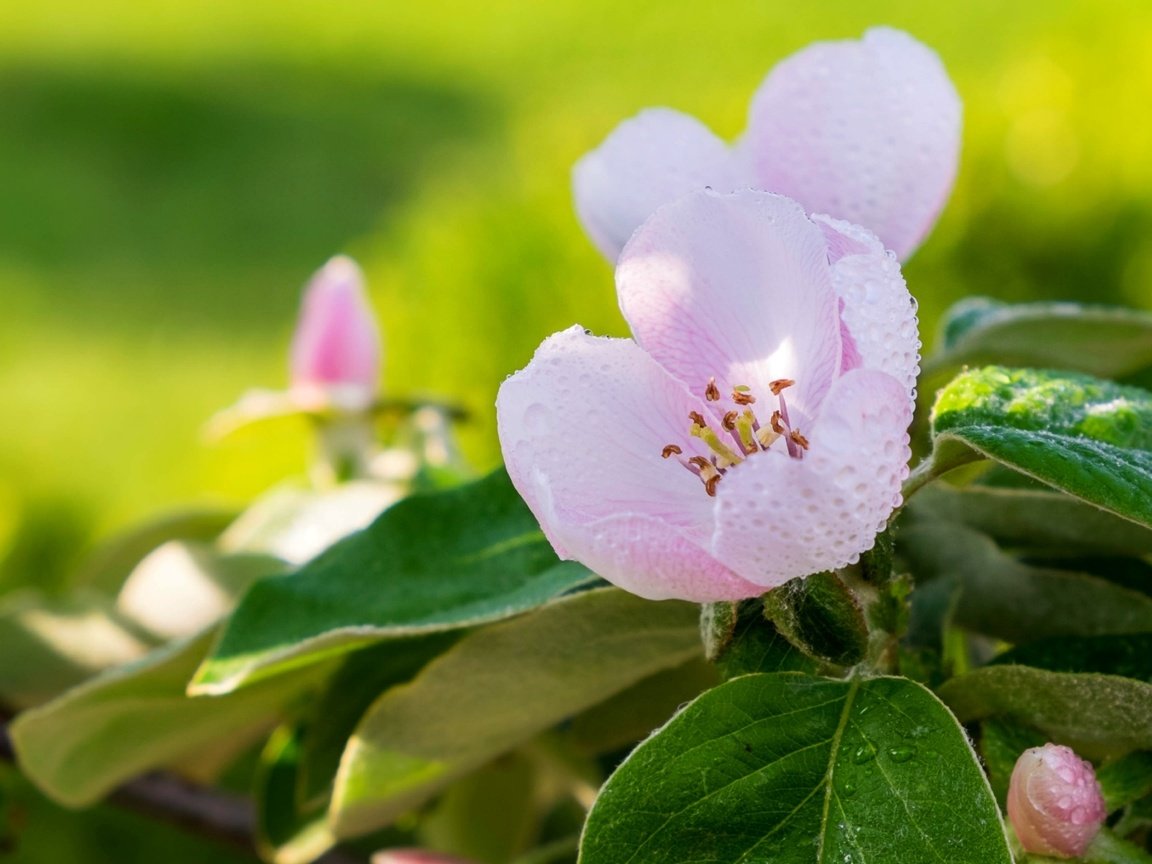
x=670, y=450
x=780, y=384
x=798, y=438
x=712, y=392
x=729, y=421
x=697, y=418
x=767, y=437
x=710, y=485
x=742, y=395
x=775, y=423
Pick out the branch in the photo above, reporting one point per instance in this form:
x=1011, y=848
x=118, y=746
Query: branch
x=222, y=817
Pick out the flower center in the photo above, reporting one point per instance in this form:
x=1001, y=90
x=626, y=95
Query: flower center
x=740, y=434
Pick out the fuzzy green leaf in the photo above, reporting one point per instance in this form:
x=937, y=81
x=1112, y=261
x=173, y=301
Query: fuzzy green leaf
x=1097, y=715
x=1084, y=436
x=794, y=769
x=498, y=687
x=431, y=563
x=1112, y=342
x=137, y=717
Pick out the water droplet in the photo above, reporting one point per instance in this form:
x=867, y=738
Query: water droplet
x=864, y=754
x=902, y=754
x=848, y=789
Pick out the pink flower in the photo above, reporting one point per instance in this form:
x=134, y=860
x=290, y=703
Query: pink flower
x=865, y=130
x=754, y=431
x=1054, y=802
x=336, y=349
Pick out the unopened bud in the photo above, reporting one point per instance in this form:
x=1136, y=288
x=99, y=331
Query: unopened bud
x=1054, y=802
x=336, y=349
x=414, y=856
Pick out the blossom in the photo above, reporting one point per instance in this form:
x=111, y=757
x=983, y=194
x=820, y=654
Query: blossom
x=1054, y=802
x=755, y=429
x=336, y=349
x=865, y=130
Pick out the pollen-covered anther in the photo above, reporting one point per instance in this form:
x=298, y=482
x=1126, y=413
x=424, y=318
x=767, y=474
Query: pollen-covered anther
x=799, y=439
x=712, y=392
x=780, y=384
x=741, y=395
x=708, y=473
x=670, y=450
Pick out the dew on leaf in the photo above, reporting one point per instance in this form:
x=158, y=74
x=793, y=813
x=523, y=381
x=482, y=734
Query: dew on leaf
x=904, y=753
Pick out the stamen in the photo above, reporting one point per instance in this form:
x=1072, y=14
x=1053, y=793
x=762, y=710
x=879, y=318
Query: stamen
x=741, y=432
x=767, y=437
x=727, y=455
x=746, y=430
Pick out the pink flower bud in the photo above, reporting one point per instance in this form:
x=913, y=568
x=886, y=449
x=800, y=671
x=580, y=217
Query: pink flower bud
x=414, y=856
x=336, y=349
x=1054, y=802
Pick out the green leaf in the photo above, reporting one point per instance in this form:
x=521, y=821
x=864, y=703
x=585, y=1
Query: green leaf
x=60, y=642
x=995, y=594
x=1110, y=342
x=1096, y=715
x=137, y=717
x=498, y=687
x=1126, y=780
x=297, y=524
x=108, y=567
x=180, y=588
x=757, y=646
x=1001, y=743
x=433, y=562
x=1128, y=655
x=1031, y=519
x=632, y=715
x=487, y=817
x=286, y=833
x=797, y=770
x=1087, y=437
x=820, y=616
x=351, y=690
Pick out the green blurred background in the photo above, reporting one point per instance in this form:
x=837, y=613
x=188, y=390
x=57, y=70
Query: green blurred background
x=171, y=172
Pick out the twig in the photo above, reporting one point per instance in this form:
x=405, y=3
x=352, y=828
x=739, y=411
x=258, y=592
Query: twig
x=222, y=817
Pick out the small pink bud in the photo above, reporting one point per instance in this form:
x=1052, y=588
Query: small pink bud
x=336, y=349
x=414, y=856
x=1054, y=802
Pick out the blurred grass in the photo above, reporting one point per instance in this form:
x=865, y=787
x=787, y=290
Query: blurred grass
x=173, y=171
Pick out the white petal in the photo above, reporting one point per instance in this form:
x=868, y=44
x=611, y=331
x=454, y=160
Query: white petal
x=648, y=160
x=778, y=518
x=865, y=130
x=738, y=287
x=582, y=429
x=652, y=559
x=875, y=306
